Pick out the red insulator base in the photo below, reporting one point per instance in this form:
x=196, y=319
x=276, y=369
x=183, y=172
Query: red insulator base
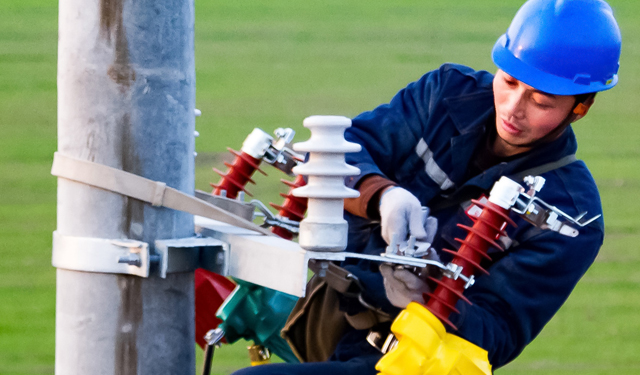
x=487, y=228
x=293, y=208
x=238, y=176
x=211, y=290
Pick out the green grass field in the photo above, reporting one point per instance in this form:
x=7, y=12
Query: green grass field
x=269, y=64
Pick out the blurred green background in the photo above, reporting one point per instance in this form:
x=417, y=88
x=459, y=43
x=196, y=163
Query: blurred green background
x=269, y=64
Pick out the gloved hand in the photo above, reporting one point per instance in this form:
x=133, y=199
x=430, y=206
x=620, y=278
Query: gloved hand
x=402, y=214
x=402, y=286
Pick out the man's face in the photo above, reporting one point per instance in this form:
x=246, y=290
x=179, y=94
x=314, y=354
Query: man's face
x=524, y=114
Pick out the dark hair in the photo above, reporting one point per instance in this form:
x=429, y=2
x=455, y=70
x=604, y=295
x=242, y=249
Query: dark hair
x=581, y=98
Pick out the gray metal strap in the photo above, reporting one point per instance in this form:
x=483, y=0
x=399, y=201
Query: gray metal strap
x=155, y=192
x=544, y=168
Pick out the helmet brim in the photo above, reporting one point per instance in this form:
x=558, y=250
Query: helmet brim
x=546, y=82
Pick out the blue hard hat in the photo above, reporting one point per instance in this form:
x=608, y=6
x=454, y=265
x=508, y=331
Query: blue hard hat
x=562, y=47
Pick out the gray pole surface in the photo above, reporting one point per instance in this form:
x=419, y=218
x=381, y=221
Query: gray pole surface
x=126, y=99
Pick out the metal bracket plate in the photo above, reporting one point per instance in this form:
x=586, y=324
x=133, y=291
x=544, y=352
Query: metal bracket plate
x=235, y=206
x=100, y=255
x=280, y=264
x=268, y=261
x=187, y=254
x=132, y=257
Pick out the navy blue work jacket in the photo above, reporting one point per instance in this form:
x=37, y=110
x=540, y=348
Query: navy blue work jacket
x=424, y=140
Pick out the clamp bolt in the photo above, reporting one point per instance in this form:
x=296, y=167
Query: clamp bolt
x=131, y=259
x=470, y=282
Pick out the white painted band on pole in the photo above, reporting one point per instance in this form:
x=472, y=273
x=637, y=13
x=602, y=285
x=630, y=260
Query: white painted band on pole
x=100, y=255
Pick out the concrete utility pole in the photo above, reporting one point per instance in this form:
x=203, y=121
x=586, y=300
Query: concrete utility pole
x=126, y=99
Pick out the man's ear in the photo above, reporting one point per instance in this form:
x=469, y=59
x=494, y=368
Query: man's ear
x=582, y=109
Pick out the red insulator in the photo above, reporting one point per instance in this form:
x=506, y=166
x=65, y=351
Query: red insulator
x=238, y=175
x=293, y=208
x=211, y=290
x=487, y=228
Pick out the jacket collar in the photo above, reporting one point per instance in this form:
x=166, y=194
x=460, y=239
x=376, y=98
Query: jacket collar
x=470, y=111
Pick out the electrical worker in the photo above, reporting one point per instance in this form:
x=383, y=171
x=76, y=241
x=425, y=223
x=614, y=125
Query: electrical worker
x=447, y=138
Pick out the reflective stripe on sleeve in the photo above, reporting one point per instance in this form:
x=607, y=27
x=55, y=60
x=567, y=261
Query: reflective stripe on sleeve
x=432, y=169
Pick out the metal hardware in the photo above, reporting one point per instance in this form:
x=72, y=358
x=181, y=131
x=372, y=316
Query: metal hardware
x=383, y=343
x=389, y=344
x=279, y=155
x=131, y=257
x=535, y=184
x=285, y=136
x=411, y=248
x=214, y=336
x=324, y=266
x=236, y=206
x=260, y=259
x=258, y=354
x=543, y=215
x=102, y=255
x=415, y=250
x=262, y=146
x=470, y=281
x=240, y=196
x=188, y=254
x=271, y=220
x=212, y=339
x=454, y=271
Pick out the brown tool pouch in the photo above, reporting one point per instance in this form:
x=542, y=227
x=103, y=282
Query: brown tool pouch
x=316, y=323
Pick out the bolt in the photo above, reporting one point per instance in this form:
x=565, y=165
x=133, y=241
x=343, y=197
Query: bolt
x=214, y=336
x=470, y=282
x=131, y=259
x=324, y=266
x=154, y=259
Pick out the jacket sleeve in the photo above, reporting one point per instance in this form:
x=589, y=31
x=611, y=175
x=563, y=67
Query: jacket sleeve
x=389, y=133
x=524, y=290
x=366, y=205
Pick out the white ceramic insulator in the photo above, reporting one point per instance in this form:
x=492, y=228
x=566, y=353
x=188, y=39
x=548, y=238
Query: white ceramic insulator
x=324, y=228
x=505, y=192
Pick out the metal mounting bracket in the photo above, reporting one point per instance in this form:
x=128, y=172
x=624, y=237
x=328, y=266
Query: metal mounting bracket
x=187, y=254
x=103, y=255
x=130, y=257
x=268, y=261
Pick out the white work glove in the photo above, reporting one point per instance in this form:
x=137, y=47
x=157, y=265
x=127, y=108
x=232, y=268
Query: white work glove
x=402, y=286
x=402, y=214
